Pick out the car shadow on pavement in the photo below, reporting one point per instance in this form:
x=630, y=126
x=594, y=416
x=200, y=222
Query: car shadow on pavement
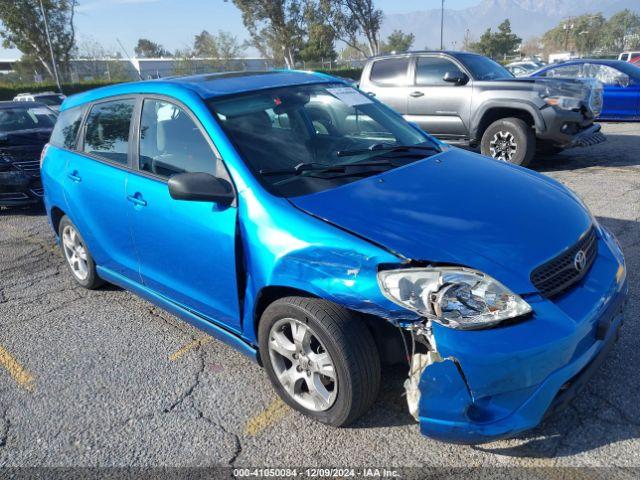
x=606, y=411
x=32, y=210
x=612, y=153
x=390, y=408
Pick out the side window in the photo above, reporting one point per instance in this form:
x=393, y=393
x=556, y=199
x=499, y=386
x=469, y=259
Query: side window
x=170, y=142
x=569, y=71
x=66, y=129
x=431, y=70
x=606, y=74
x=107, y=130
x=390, y=71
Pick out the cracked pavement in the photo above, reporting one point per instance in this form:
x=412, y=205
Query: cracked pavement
x=106, y=392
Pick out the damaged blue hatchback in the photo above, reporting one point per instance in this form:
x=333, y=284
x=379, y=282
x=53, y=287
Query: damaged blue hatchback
x=312, y=228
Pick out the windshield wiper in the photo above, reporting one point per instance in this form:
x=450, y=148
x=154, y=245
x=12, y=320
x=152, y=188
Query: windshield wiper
x=303, y=167
x=325, y=168
x=390, y=148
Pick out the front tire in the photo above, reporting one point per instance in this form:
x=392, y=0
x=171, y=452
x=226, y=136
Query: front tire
x=75, y=252
x=321, y=359
x=510, y=140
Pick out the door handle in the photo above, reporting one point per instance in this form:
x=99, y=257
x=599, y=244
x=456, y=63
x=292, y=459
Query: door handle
x=137, y=200
x=370, y=94
x=74, y=177
x=416, y=94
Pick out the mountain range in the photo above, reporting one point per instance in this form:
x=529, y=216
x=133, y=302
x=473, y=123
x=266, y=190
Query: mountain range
x=528, y=18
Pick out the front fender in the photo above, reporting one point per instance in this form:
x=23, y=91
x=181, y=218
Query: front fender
x=285, y=247
x=511, y=104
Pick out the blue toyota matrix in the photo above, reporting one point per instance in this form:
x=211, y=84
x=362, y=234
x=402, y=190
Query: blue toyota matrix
x=312, y=228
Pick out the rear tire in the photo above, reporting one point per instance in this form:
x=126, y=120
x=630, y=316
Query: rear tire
x=336, y=335
x=510, y=140
x=77, y=255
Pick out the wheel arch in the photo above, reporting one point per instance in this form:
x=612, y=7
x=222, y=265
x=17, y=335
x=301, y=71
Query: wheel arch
x=55, y=216
x=494, y=111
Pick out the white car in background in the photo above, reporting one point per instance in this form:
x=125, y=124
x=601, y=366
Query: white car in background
x=629, y=57
x=52, y=100
x=523, y=68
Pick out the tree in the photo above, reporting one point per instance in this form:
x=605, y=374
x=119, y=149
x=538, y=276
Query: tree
x=498, y=45
x=320, y=36
x=276, y=27
x=353, y=19
x=583, y=34
x=623, y=31
x=204, y=45
x=222, y=48
x=468, y=41
x=531, y=47
x=22, y=27
x=148, y=49
x=588, y=33
x=398, y=42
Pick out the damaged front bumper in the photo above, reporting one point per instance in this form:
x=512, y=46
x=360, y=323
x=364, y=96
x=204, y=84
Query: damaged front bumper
x=480, y=386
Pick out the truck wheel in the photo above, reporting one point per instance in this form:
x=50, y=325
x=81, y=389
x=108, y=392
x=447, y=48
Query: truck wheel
x=76, y=253
x=509, y=139
x=321, y=359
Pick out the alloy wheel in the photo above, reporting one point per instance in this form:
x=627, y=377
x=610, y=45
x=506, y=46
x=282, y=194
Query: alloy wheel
x=503, y=146
x=302, y=364
x=75, y=252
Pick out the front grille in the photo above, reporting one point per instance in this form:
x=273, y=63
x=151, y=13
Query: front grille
x=28, y=166
x=559, y=274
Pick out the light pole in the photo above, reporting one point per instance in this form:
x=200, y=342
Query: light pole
x=442, y=26
x=53, y=59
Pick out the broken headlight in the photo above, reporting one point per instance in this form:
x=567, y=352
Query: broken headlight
x=455, y=297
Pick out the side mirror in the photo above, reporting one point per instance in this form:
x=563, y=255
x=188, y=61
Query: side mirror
x=622, y=81
x=456, y=77
x=201, y=187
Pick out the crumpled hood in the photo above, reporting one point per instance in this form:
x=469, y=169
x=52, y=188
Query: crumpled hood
x=461, y=208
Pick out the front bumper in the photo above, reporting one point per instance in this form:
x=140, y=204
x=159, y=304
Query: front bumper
x=18, y=188
x=499, y=382
x=567, y=129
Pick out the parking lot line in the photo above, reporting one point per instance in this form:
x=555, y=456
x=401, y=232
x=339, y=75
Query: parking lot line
x=189, y=346
x=17, y=371
x=270, y=415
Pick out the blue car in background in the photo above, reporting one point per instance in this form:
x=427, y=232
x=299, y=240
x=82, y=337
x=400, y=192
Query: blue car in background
x=315, y=230
x=621, y=81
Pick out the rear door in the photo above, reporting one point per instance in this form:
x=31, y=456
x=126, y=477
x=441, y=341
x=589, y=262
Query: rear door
x=620, y=92
x=388, y=81
x=186, y=248
x=95, y=185
x=440, y=108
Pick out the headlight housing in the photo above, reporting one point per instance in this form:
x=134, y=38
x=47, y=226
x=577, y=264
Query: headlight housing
x=456, y=297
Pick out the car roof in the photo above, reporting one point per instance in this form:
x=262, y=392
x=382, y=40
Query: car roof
x=451, y=53
x=21, y=104
x=598, y=61
x=206, y=85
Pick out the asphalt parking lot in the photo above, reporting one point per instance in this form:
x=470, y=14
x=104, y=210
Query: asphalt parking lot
x=103, y=378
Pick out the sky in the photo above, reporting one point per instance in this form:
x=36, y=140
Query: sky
x=173, y=23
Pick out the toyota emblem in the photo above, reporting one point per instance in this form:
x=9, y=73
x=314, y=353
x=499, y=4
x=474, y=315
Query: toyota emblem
x=580, y=260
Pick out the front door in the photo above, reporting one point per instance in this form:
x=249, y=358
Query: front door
x=439, y=107
x=186, y=248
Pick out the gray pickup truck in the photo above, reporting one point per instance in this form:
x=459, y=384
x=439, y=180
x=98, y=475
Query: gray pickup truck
x=465, y=98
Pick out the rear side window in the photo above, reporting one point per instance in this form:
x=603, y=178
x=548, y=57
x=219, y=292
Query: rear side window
x=107, y=130
x=66, y=130
x=431, y=70
x=170, y=142
x=390, y=71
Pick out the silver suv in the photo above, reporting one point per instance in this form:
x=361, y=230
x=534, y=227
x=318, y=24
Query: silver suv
x=465, y=98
